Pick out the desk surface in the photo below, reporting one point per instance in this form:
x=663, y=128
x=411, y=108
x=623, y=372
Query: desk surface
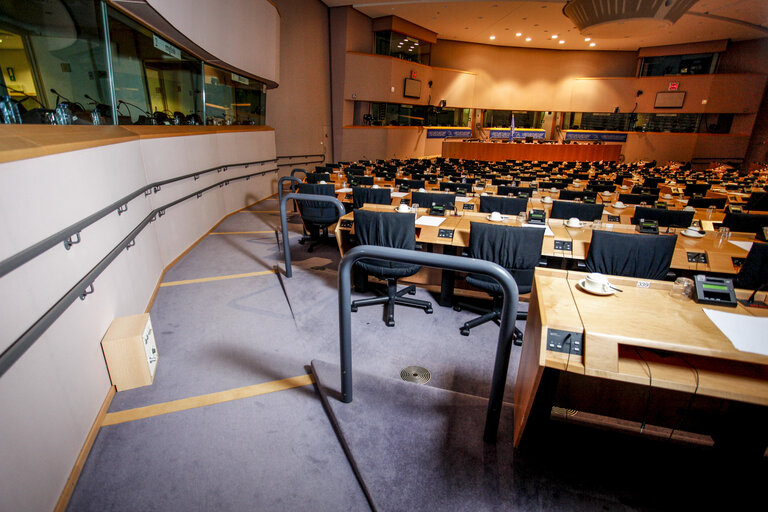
x=616, y=331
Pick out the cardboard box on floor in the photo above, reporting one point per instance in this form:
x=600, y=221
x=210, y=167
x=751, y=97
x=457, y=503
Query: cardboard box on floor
x=130, y=352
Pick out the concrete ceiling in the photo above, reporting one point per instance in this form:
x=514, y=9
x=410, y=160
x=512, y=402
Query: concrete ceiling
x=477, y=22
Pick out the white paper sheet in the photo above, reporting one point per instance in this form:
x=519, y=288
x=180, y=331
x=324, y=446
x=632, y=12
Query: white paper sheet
x=398, y=194
x=744, y=245
x=343, y=190
x=426, y=220
x=747, y=333
x=547, y=231
x=463, y=199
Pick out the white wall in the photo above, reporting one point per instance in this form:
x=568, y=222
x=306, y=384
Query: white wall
x=246, y=33
x=51, y=396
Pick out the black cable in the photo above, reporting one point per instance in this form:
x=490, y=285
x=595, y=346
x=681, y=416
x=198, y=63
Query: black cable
x=650, y=386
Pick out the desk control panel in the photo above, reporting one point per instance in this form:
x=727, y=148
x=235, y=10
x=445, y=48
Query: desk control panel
x=445, y=233
x=568, y=342
x=614, y=218
x=469, y=206
x=563, y=245
x=346, y=223
x=697, y=257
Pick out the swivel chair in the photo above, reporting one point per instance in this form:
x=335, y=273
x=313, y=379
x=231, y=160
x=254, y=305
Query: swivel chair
x=316, y=215
x=631, y=255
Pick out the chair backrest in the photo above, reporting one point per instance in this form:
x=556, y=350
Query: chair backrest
x=317, y=177
x=315, y=211
x=637, y=198
x=706, y=202
x=386, y=229
x=504, y=190
x=504, y=205
x=745, y=222
x=360, y=180
x=362, y=195
x=696, y=188
x=632, y=255
x=757, y=201
x=754, y=271
x=570, y=195
x=515, y=248
x=417, y=184
x=427, y=199
x=455, y=186
x=582, y=211
x=674, y=218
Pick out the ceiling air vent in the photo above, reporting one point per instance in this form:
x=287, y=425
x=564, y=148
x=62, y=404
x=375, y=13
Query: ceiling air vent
x=614, y=19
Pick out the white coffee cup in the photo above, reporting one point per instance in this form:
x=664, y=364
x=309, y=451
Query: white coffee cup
x=693, y=231
x=484, y=194
x=546, y=199
x=576, y=182
x=495, y=216
x=403, y=208
x=619, y=204
x=607, y=193
x=597, y=282
x=667, y=196
x=624, y=187
x=422, y=190
x=689, y=209
x=553, y=190
x=375, y=186
x=573, y=222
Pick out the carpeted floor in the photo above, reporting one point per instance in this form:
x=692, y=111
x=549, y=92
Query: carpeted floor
x=279, y=451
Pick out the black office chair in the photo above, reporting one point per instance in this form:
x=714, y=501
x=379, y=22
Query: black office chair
x=411, y=184
x=705, y=202
x=515, y=248
x=754, y=272
x=356, y=181
x=745, y=222
x=503, y=205
x=504, y=190
x=317, y=177
x=582, y=211
x=316, y=215
x=572, y=195
x=698, y=189
x=362, y=195
x=673, y=218
x=427, y=199
x=637, y=198
x=388, y=229
x=630, y=255
x=757, y=201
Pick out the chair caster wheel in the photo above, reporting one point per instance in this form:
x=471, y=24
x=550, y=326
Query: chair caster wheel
x=457, y=308
x=464, y=331
x=390, y=323
x=428, y=310
x=354, y=308
x=412, y=292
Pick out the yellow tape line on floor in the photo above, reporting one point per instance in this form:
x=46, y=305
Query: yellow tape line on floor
x=217, y=278
x=240, y=232
x=114, y=418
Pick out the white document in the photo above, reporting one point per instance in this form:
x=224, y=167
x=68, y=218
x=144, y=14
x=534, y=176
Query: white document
x=426, y=220
x=747, y=333
x=463, y=199
x=547, y=231
x=343, y=190
x=744, y=245
x=398, y=194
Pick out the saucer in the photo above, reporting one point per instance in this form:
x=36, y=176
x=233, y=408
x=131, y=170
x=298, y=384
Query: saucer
x=618, y=207
x=695, y=234
x=624, y=187
x=606, y=193
x=581, y=224
x=502, y=219
x=584, y=288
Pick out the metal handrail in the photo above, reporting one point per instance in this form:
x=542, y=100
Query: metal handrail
x=284, y=221
x=282, y=180
x=293, y=172
x=120, y=206
x=444, y=261
x=84, y=287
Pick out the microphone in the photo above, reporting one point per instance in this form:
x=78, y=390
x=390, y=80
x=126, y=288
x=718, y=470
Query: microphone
x=59, y=96
x=751, y=300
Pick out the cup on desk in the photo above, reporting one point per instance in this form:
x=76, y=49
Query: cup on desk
x=374, y=186
x=666, y=196
x=422, y=190
x=597, y=224
x=414, y=207
x=691, y=231
x=484, y=194
x=619, y=204
x=403, y=208
x=597, y=282
x=546, y=199
x=689, y=209
x=322, y=182
x=682, y=288
x=573, y=222
x=495, y=216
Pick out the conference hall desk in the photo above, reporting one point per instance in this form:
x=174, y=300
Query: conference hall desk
x=648, y=358
x=494, y=151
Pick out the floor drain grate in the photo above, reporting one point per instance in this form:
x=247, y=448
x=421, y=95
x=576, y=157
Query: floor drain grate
x=415, y=374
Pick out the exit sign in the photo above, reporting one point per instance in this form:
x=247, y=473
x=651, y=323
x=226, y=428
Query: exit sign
x=673, y=86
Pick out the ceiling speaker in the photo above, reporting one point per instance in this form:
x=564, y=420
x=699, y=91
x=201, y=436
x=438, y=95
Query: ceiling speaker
x=614, y=19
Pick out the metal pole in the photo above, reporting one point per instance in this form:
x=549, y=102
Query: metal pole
x=444, y=261
x=108, y=53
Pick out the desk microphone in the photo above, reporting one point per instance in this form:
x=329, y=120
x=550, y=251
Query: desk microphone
x=751, y=300
x=59, y=96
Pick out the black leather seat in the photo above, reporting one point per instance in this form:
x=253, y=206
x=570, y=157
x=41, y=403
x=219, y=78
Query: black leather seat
x=316, y=215
x=673, y=218
x=754, y=272
x=745, y=222
x=630, y=255
x=317, y=177
x=503, y=205
x=515, y=248
x=705, y=202
x=363, y=195
x=388, y=229
x=582, y=211
x=427, y=199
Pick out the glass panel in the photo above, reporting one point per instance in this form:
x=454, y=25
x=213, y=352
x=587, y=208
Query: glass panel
x=402, y=47
x=233, y=99
x=52, y=53
x=155, y=82
x=623, y=122
x=523, y=119
x=393, y=114
x=696, y=64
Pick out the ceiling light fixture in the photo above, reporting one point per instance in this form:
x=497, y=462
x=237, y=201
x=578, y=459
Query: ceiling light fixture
x=592, y=44
x=554, y=36
x=492, y=38
x=518, y=34
x=527, y=38
x=562, y=41
x=587, y=39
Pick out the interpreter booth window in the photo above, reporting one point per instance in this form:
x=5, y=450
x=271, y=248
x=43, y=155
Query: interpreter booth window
x=696, y=64
x=523, y=119
x=233, y=99
x=403, y=47
x=52, y=55
x=156, y=82
x=633, y=122
x=395, y=114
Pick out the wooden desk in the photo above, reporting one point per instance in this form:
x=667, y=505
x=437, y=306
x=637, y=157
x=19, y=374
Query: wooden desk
x=690, y=355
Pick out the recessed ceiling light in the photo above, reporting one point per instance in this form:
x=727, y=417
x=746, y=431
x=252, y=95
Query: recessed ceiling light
x=561, y=41
x=492, y=38
x=592, y=44
x=587, y=39
x=416, y=44
x=554, y=36
x=527, y=38
x=518, y=34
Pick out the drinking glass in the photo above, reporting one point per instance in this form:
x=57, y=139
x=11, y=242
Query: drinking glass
x=597, y=224
x=682, y=288
x=723, y=233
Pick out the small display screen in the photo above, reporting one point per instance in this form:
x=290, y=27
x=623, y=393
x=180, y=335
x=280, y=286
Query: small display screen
x=718, y=287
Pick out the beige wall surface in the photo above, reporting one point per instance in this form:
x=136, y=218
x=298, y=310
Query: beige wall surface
x=245, y=34
x=50, y=397
x=300, y=108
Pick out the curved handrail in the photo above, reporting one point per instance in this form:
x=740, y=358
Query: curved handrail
x=12, y=354
x=284, y=221
x=444, y=261
x=20, y=258
x=293, y=172
x=282, y=180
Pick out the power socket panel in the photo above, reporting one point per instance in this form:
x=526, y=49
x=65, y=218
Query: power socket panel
x=563, y=245
x=565, y=341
